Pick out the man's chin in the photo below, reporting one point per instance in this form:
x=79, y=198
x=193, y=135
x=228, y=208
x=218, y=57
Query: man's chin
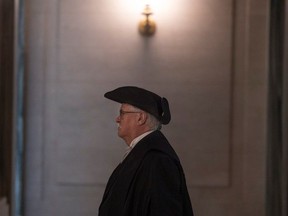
x=119, y=133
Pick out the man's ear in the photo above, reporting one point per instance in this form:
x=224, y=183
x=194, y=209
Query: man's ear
x=142, y=118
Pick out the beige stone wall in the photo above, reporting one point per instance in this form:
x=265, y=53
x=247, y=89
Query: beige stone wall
x=208, y=58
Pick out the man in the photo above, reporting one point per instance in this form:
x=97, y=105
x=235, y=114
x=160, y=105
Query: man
x=150, y=180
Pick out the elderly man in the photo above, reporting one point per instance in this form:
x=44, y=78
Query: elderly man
x=150, y=179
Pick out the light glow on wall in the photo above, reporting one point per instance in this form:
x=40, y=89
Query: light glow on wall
x=159, y=7
x=138, y=5
x=168, y=15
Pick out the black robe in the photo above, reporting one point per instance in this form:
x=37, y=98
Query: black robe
x=149, y=182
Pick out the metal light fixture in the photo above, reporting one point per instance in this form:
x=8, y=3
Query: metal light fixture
x=147, y=26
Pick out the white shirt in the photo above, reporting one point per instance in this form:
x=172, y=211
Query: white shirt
x=134, y=142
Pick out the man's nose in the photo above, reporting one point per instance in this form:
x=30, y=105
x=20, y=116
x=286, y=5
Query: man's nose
x=117, y=119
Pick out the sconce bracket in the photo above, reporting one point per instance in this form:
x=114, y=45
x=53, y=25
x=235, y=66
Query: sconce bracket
x=147, y=26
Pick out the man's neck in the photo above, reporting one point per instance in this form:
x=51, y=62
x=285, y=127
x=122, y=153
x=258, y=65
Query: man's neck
x=136, y=134
x=138, y=138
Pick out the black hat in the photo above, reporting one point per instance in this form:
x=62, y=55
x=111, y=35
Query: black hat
x=143, y=99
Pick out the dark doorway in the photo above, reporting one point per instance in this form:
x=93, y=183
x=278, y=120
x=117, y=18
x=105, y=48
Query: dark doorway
x=278, y=111
x=6, y=99
x=11, y=111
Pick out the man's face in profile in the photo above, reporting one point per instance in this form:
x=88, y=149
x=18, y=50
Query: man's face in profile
x=127, y=121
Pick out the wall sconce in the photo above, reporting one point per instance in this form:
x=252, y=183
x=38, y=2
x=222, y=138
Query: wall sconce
x=147, y=26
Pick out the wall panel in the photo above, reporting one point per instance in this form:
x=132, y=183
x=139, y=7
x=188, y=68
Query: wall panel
x=79, y=49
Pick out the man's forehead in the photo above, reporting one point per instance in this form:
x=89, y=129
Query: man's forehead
x=126, y=106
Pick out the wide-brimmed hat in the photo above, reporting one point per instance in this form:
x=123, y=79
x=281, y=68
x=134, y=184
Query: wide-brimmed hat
x=142, y=99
